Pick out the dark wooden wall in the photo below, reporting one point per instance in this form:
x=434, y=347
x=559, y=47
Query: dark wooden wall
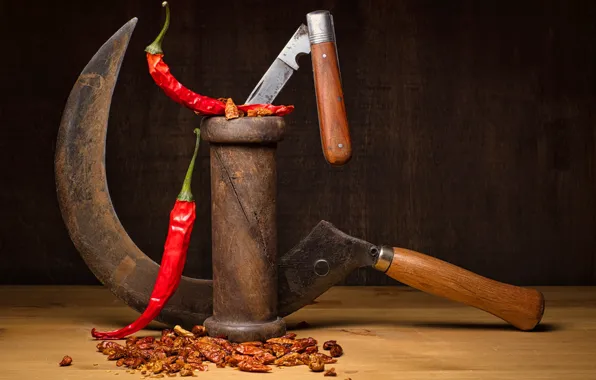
x=472, y=124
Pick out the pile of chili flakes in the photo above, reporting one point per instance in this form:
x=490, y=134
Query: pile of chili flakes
x=179, y=351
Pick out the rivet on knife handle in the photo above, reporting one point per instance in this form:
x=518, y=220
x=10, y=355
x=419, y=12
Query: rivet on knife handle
x=521, y=307
x=333, y=123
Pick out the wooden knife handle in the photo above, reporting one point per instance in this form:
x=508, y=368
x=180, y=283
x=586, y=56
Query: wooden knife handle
x=521, y=307
x=333, y=122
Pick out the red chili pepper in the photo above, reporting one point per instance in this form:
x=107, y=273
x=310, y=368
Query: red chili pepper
x=200, y=104
x=182, y=218
x=160, y=72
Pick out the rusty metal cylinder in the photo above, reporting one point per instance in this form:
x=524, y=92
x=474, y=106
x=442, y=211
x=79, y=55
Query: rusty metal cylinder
x=244, y=226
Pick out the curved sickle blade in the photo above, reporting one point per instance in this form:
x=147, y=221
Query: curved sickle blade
x=85, y=201
x=105, y=246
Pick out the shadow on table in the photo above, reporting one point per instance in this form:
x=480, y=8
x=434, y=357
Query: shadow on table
x=107, y=324
x=352, y=323
x=494, y=326
x=547, y=327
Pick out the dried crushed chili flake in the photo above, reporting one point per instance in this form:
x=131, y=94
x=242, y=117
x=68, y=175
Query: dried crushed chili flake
x=248, y=350
x=157, y=366
x=330, y=372
x=145, y=346
x=131, y=340
x=316, y=364
x=277, y=349
x=220, y=342
x=264, y=112
x=179, y=351
x=265, y=358
x=251, y=365
x=66, y=361
x=289, y=360
x=173, y=368
x=281, y=341
x=336, y=351
x=181, y=332
x=195, y=357
x=326, y=358
x=212, y=352
x=146, y=340
x=231, y=111
x=289, y=336
x=187, y=370
x=265, y=109
x=236, y=358
x=300, y=345
x=256, y=343
x=198, y=367
x=115, y=354
x=199, y=331
x=105, y=345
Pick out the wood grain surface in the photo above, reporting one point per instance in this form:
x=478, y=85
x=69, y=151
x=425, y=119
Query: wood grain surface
x=386, y=333
x=244, y=230
x=472, y=127
x=333, y=121
x=522, y=307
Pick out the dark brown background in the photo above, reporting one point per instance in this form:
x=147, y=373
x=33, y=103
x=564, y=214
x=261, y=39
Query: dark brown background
x=472, y=124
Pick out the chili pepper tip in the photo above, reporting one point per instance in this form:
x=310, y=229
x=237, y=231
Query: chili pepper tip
x=155, y=47
x=185, y=193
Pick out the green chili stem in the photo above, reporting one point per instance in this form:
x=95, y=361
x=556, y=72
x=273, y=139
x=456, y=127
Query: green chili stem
x=186, y=194
x=155, y=47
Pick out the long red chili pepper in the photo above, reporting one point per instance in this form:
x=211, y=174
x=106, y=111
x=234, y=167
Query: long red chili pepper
x=200, y=104
x=182, y=218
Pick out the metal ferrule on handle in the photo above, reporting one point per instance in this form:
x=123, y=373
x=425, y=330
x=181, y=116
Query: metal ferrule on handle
x=521, y=307
x=385, y=259
x=320, y=27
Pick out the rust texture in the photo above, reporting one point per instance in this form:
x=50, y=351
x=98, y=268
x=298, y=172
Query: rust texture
x=244, y=233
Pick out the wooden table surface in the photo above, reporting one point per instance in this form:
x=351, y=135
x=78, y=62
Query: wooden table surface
x=386, y=333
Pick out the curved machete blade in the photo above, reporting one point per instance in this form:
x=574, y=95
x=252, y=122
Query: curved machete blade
x=322, y=259
x=106, y=247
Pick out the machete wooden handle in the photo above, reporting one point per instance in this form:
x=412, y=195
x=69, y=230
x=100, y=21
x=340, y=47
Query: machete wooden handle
x=521, y=307
x=333, y=122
